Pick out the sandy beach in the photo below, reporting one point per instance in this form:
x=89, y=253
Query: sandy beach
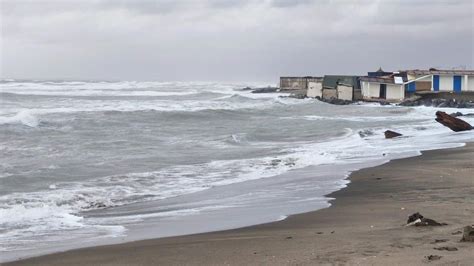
x=364, y=226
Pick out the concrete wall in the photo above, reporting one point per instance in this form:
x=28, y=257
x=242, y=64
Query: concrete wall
x=395, y=92
x=344, y=92
x=470, y=86
x=297, y=83
x=329, y=93
x=315, y=89
x=292, y=83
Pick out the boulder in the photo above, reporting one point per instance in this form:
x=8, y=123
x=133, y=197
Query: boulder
x=335, y=101
x=468, y=234
x=455, y=124
x=265, y=90
x=456, y=114
x=391, y=134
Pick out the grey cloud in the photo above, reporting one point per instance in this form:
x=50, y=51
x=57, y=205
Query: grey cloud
x=291, y=3
x=230, y=40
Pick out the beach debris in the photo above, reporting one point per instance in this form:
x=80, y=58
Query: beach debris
x=455, y=124
x=417, y=219
x=456, y=233
x=447, y=248
x=289, y=237
x=468, y=235
x=391, y=134
x=434, y=257
x=436, y=241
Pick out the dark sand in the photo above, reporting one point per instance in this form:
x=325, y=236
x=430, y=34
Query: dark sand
x=364, y=225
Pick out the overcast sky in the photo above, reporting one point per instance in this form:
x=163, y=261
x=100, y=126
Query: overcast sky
x=234, y=40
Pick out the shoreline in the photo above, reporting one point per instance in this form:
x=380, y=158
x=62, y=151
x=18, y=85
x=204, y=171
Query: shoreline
x=364, y=224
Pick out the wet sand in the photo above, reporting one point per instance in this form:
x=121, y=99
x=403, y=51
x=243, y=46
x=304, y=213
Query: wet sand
x=364, y=226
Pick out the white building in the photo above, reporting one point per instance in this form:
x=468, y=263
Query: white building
x=398, y=85
x=440, y=80
x=388, y=89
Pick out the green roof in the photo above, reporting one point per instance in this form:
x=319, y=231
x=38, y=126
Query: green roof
x=331, y=81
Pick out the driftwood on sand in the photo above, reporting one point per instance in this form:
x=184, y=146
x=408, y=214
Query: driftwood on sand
x=455, y=124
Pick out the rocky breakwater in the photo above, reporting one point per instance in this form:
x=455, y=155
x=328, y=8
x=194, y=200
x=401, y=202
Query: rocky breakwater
x=439, y=102
x=335, y=101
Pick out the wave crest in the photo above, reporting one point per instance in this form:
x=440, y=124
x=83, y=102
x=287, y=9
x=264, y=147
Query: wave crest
x=24, y=117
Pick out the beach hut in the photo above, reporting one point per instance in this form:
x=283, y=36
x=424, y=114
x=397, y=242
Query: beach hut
x=341, y=87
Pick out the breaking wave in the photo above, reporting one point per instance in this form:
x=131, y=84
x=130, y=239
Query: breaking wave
x=24, y=117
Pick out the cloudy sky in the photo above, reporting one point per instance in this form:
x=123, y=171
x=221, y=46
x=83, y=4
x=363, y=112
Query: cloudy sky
x=233, y=40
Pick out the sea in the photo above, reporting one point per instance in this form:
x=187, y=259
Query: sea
x=86, y=163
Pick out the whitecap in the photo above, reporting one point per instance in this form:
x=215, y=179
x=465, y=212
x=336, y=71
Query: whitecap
x=24, y=117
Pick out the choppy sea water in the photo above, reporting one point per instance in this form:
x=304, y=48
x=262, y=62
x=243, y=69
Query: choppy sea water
x=87, y=163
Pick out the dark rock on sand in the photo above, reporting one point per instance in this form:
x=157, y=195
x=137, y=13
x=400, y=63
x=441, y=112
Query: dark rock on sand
x=447, y=248
x=417, y=219
x=414, y=217
x=455, y=124
x=391, y=134
x=468, y=235
x=436, y=241
x=434, y=257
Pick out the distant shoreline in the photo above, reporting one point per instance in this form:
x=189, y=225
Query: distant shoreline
x=363, y=225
